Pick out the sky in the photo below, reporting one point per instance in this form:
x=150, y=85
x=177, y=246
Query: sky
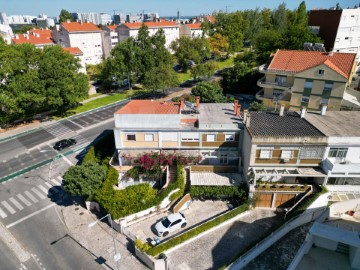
x=163, y=7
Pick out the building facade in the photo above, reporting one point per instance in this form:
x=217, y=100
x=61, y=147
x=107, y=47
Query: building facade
x=306, y=79
x=86, y=36
x=171, y=30
x=77, y=53
x=110, y=39
x=193, y=30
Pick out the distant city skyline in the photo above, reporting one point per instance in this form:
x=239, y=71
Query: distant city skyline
x=164, y=8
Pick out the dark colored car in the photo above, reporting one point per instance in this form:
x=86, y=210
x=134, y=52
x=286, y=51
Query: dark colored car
x=60, y=145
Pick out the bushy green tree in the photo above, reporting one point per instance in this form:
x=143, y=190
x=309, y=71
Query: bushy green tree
x=257, y=106
x=65, y=15
x=209, y=92
x=84, y=180
x=203, y=70
x=160, y=77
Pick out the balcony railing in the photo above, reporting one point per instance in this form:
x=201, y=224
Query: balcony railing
x=341, y=166
x=278, y=84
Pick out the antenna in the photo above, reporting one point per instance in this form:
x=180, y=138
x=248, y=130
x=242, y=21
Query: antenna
x=143, y=11
x=116, y=10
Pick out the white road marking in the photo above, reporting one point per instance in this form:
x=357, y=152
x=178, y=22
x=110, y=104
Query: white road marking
x=31, y=215
x=27, y=193
x=56, y=182
x=52, y=189
x=8, y=207
x=2, y=213
x=45, y=190
x=15, y=202
x=25, y=201
x=67, y=160
x=59, y=178
x=38, y=193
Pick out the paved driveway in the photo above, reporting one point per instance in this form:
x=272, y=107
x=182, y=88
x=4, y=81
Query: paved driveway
x=198, y=212
x=220, y=246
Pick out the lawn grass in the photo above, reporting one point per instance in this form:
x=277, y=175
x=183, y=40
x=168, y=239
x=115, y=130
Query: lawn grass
x=226, y=63
x=96, y=103
x=184, y=76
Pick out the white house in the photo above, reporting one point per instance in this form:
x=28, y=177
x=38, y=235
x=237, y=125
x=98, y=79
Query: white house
x=77, y=53
x=86, y=36
x=171, y=30
x=341, y=160
x=191, y=30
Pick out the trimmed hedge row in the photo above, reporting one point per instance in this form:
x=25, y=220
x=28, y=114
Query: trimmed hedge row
x=217, y=192
x=193, y=232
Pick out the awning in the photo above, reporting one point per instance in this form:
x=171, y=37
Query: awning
x=300, y=172
x=215, y=179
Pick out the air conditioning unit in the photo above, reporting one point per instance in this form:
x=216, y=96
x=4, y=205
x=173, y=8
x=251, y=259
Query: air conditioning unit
x=285, y=160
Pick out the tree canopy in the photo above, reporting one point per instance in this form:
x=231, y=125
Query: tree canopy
x=36, y=81
x=209, y=92
x=65, y=15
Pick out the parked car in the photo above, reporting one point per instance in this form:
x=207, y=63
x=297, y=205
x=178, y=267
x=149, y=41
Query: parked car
x=177, y=68
x=60, y=145
x=170, y=223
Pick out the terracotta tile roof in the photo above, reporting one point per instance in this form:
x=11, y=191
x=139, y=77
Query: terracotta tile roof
x=112, y=27
x=73, y=50
x=210, y=19
x=149, y=107
x=151, y=24
x=32, y=39
x=194, y=25
x=42, y=32
x=297, y=61
x=80, y=27
x=269, y=124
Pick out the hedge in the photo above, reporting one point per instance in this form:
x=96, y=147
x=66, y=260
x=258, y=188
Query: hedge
x=217, y=192
x=193, y=232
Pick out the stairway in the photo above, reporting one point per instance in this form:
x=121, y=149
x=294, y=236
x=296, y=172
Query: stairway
x=342, y=248
x=172, y=174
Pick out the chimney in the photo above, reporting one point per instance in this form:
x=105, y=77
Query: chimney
x=323, y=109
x=302, y=112
x=238, y=108
x=246, y=112
x=16, y=36
x=67, y=20
x=57, y=27
x=282, y=108
x=236, y=102
x=197, y=102
x=182, y=103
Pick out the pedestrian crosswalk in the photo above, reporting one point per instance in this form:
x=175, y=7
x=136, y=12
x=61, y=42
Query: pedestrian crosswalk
x=29, y=197
x=58, y=129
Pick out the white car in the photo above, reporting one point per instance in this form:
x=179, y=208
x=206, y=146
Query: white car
x=170, y=223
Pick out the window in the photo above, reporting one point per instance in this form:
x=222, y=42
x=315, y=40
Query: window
x=305, y=99
x=281, y=80
x=229, y=137
x=346, y=38
x=223, y=158
x=328, y=86
x=287, y=153
x=324, y=101
x=338, y=152
x=210, y=137
x=149, y=137
x=190, y=136
x=169, y=136
x=131, y=137
x=321, y=72
x=266, y=153
x=312, y=153
x=308, y=84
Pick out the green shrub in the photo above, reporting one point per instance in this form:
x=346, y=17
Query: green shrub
x=193, y=232
x=90, y=156
x=217, y=192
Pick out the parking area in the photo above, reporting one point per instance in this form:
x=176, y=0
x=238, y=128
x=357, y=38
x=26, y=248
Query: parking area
x=198, y=212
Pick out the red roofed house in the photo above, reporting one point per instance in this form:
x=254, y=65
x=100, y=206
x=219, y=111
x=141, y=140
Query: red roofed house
x=191, y=30
x=306, y=79
x=37, y=37
x=84, y=35
x=76, y=52
x=171, y=30
x=209, y=131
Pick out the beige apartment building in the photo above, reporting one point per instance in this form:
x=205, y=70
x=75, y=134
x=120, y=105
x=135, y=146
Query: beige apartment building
x=306, y=79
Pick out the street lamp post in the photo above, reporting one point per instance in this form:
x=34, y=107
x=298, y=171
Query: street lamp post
x=117, y=255
x=52, y=161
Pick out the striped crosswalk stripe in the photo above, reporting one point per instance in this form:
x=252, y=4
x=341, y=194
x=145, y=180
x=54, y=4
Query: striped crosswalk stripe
x=56, y=182
x=51, y=188
x=38, y=193
x=27, y=193
x=25, y=201
x=16, y=203
x=43, y=189
x=8, y=207
x=2, y=213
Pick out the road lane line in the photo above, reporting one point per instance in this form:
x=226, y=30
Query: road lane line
x=38, y=193
x=56, y=182
x=25, y=201
x=32, y=214
x=8, y=207
x=67, y=160
x=15, y=202
x=59, y=178
x=2, y=213
x=43, y=189
x=27, y=193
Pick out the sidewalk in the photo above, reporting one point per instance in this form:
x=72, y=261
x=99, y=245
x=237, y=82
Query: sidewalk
x=98, y=239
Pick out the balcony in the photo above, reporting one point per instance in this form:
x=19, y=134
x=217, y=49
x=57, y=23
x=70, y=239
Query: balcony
x=275, y=98
x=277, y=84
x=339, y=167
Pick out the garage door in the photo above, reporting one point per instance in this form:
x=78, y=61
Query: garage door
x=286, y=200
x=264, y=199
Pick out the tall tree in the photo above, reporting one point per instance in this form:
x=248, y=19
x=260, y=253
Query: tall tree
x=219, y=45
x=301, y=15
x=65, y=15
x=160, y=77
x=204, y=70
x=279, y=17
x=209, y=92
x=255, y=19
